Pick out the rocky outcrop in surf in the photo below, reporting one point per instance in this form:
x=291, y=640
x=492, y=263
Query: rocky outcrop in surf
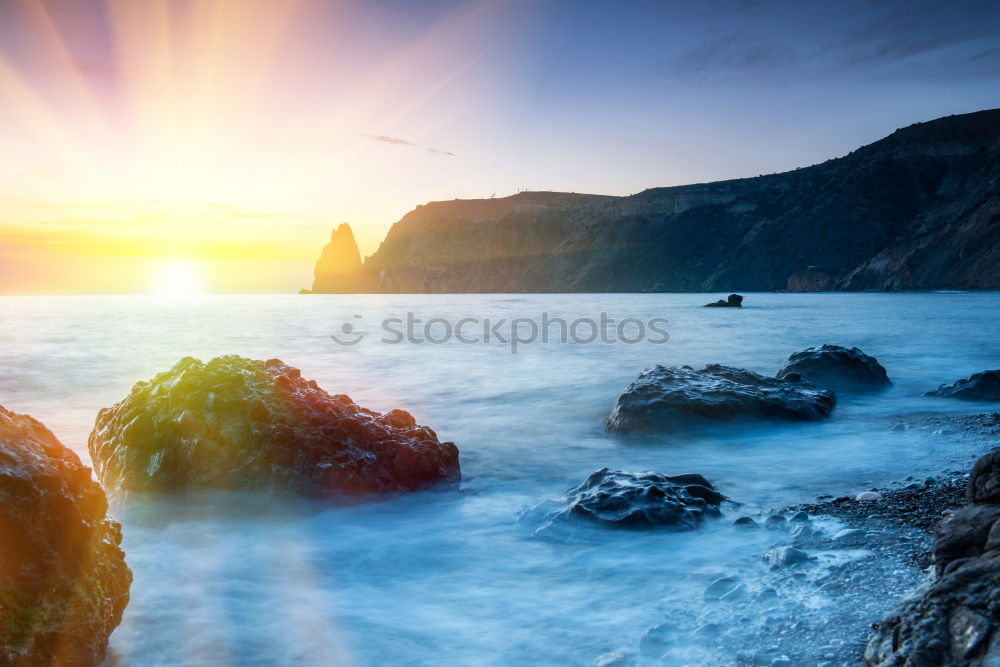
x=642, y=500
x=63, y=580
x=665, y=398
x=915, y=210
x=983, y=386
x=955, y=621
x=237, y=423
x=732, y=301
x=837, y=368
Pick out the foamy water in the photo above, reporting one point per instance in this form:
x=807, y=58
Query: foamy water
x=458, y=578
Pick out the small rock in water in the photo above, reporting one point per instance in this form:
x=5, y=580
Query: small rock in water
x=868, y=496
x=983, y=386
x=656, y=640
x=837, y=368
x=803, y=531
x=767, y=595
x=745, y=522
x=664, y=399
x=775, y=521
x=913, y=486
x=720, y=587
x=849, y=535
x=785, y=557
x=799, y=517
x=642, y=500
x=613, y=659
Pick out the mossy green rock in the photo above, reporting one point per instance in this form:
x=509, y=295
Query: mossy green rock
x=63, y=579
x=244, y=424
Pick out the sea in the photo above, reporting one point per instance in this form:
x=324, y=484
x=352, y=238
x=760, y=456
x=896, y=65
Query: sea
x=465, y=576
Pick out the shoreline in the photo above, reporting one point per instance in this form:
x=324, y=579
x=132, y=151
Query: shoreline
x=895, y=525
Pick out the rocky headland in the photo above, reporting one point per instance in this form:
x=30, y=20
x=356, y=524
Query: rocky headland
x=917, y=210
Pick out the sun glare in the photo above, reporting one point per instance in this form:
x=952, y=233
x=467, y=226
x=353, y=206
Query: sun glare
x=175, y=278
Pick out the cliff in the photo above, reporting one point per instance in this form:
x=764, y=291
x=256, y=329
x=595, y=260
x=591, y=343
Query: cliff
x=919, y=209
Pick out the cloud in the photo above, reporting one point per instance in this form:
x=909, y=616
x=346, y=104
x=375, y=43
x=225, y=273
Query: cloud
x=403, y=142
x=902, y=39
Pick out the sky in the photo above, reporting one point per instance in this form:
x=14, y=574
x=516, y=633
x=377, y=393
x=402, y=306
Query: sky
x=151, y=145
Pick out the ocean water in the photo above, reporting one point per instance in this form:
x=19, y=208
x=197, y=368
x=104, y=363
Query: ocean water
x=461, y=578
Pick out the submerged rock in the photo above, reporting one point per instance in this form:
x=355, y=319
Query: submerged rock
x=954, y=621
x=663, y=398
x=63, y=579
x=239, y=423
x=785, y=556
x=983, y=386
x=732, y=301
x=642, y=500
x=837, y=368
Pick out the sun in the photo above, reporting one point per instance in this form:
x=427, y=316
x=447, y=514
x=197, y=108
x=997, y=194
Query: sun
x=174, y=278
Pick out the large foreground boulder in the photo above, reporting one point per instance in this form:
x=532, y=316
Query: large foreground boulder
x=983, y=386
x=63, y=579
x=642, y=500
x=956, y=621
x=837, y=368
x=236, y=423
x=663, y=398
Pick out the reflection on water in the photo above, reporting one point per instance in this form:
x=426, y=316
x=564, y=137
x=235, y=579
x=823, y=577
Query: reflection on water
x=455, y=578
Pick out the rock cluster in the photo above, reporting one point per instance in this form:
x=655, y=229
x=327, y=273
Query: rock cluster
x=642, y=500
x=63, y=579
x=662, y=398
x=955, y=621
x=837, y=368
x=238, y=423
x=983, y=386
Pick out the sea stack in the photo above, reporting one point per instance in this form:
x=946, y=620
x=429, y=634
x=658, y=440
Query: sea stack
x=339, y=269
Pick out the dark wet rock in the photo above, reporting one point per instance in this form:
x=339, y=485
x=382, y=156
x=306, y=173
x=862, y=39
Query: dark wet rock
x=966, y=534
x=732, y=301
x=799, y=517
x=983, y=386
x=642, y=500
x=745, y=522
x=954, y=621
x=775, y=521
x=984, y=481
x=63, y=579
x=237, y=423
x=663, y=398
x=837, y=368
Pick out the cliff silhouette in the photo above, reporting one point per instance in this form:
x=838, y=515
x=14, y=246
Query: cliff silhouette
x=919, y=209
